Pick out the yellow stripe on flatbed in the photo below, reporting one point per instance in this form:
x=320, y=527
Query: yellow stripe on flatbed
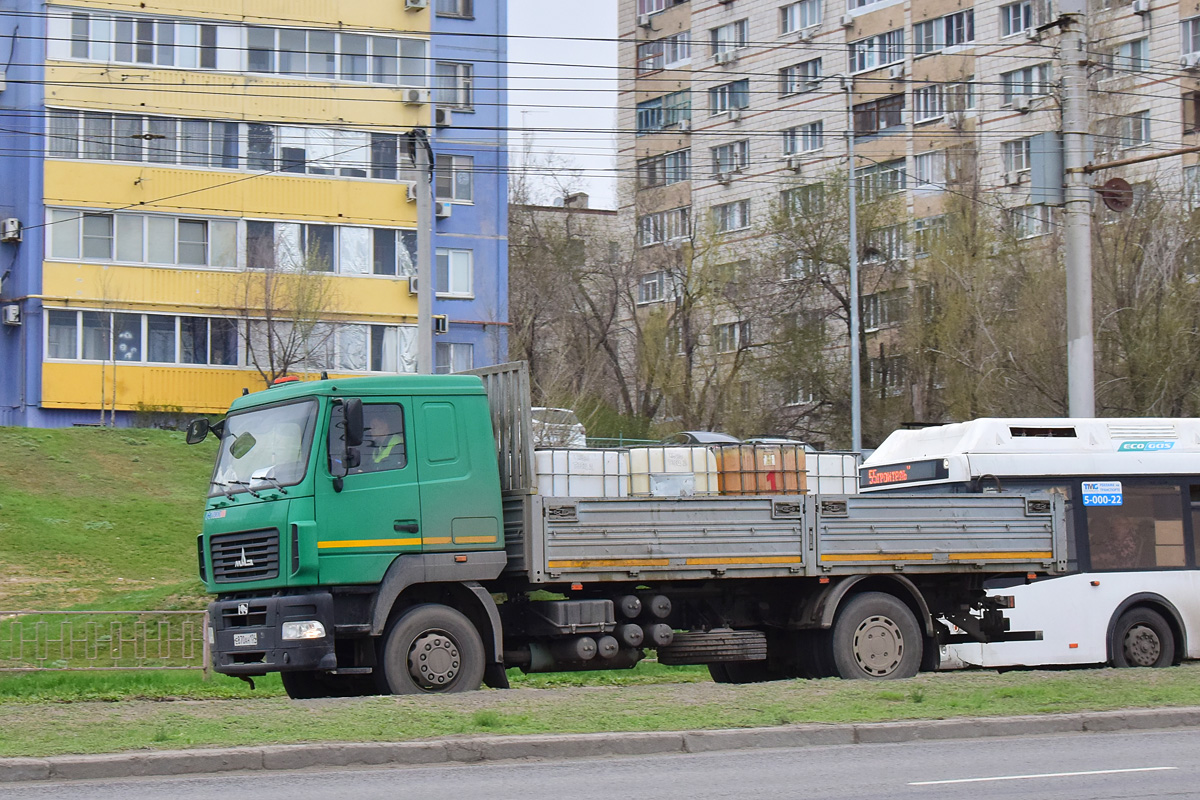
x=878, y=557
x=609, y=562
x=744, y=560
x=1001, y=556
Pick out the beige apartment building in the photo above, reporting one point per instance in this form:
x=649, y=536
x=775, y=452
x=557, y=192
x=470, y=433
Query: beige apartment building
x=732, y=110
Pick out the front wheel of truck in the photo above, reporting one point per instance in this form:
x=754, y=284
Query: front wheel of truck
x=430, y=649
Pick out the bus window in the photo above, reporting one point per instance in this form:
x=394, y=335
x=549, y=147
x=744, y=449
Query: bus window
x=1195, y=498
x=1145, y=531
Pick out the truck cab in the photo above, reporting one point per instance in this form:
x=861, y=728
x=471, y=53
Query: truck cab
x=328, y=495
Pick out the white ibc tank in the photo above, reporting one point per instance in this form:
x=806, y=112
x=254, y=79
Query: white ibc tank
x=832, y=473
x=672, y=471
x=582, y=473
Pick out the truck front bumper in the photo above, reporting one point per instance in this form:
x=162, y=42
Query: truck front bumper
x=246, y=636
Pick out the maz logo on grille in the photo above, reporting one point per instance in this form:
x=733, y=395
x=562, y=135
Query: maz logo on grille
x=245, y=556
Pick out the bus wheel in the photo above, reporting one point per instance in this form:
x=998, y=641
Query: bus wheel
x=431, y=648
x=876, y=636
x=1142, y=638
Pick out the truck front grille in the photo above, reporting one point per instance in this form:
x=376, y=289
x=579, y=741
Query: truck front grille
x=245, y=556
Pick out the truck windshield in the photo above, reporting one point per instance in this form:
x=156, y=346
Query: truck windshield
x=265, y=448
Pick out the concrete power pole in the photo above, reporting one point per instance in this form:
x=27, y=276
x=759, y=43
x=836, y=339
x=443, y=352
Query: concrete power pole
x=1081, y=380
x=851, y=189
x=423, y=159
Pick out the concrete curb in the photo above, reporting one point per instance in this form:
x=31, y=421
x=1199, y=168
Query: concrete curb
x=476, y=749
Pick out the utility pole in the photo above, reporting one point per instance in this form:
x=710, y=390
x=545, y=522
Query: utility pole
x=1077, y=213
x=855, y=366
x=422, y=154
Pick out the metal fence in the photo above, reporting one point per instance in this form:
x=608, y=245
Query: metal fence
x=32, y=641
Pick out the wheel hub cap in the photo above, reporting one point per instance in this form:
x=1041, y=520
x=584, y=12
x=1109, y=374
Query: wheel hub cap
x=434, y=660
x=1142, y=646
x=878, y=646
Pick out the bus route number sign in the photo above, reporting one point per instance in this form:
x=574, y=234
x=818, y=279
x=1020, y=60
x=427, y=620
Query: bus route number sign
x=1102, y=493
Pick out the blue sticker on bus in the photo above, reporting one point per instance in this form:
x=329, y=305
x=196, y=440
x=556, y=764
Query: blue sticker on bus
x=1102, y=493
x=1144, y=447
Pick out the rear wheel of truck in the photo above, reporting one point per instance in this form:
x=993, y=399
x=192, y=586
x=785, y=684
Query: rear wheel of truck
x=430, y=648
x=311, y=685
x=876, y=636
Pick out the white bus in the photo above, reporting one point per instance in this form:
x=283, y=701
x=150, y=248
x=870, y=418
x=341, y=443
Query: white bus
x=1132, y=593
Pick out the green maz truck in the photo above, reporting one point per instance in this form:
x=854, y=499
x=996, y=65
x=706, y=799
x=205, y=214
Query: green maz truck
x=386, y=535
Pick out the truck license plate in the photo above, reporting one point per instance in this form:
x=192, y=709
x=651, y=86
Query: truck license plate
x=245, y=639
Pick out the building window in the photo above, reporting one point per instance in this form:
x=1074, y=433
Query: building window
x=677, y=49
x=1135, y=129
x=1125, y=59
x=1028, y=82
x=951, y=30
x=728, y=38
x=729, y=96
x=930, y=169
x=654, y=115
x=164, y=43
x=393, y=252
x=649, y=116
x=665, y=169
x=733, y=157
x=885, y=244
x=731, y=216
x=852, y=4
x=804, y=138
x=928, y=103
x=1017, y=154
x=1028, y=222
x=927, y=233
x=677, y=107
x=960, y=96
x=328, y=55
x=884, y=309
x=1016, y=18
x=664, y=226
x=877, y=51
x=453, y=357
x=453, y=84
x=1191, y=112
x=886, y=375
x=798, y=16
x=141, y=338
x=879, y=115
x=1191, y=35
x=731, y=337
x=650, y=57
x=654, y=287
x=805, y=201
x=454, y=273
x=455, y=8
x=455, y=176
x=879, y=180
x=801, y=77
x=1191, y=185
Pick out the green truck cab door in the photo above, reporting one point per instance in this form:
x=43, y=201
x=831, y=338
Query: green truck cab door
x=456, y=459
x=376, y=515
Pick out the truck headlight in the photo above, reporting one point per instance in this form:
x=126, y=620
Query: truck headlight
x=308, y=629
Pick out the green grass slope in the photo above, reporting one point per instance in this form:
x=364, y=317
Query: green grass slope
x=100, y=518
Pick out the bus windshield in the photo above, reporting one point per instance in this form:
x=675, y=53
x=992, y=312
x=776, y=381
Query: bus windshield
x=267, y=447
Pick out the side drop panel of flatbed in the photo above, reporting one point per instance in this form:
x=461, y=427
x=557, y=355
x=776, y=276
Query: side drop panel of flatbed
x=588, y=540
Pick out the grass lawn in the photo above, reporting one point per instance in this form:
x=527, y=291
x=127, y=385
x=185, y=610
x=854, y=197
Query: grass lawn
x=100, y=518
x=655, y=701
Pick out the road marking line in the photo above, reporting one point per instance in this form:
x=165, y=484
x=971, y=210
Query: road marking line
x=1043, y=775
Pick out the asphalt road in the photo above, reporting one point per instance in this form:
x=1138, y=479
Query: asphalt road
x=1098, y=766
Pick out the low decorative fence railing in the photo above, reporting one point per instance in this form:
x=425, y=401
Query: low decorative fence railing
x=103, y=640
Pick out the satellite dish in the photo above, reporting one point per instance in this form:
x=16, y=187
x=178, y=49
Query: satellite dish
x=1117, y=194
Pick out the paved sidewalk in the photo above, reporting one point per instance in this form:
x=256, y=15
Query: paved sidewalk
x=475, y=749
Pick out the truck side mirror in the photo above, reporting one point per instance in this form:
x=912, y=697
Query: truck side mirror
x=197, y=431
x=354, y=422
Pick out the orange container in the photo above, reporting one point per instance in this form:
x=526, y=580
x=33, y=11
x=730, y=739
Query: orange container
x=760, y=469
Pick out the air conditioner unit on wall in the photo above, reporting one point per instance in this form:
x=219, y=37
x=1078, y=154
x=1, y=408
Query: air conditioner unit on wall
x=415, y=5
x=411, y=191
x=735, y=114
x=685, y=124
x=416, y=97
x=896, y=71
x=1140, y=6
x=443, y=117
x=12, y=314
x=442, y=210
x=807, y=34
x=441, y=323
x=847, y=21
x=1190, y=61
x=10, y=230
x=794, y=163
x=723, y=178
x=1012, y=178
x=412, y=284
x=643, y=20
x=1021, y=103
x=723, y=57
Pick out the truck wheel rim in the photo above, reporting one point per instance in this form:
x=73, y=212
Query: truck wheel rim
x=1142, y=647
x=434, y=661
x=878, y=646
